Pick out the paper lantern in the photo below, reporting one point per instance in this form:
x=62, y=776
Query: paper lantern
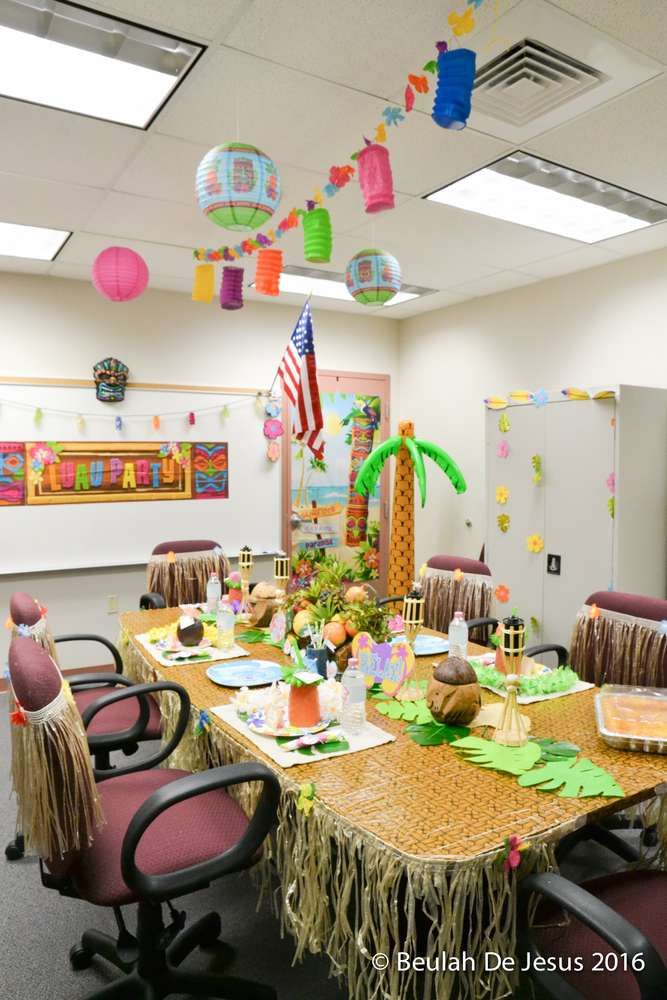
x=267, y=275
x=203, y=285
x=456, y=76
x=119, y=274
x=317, y=237
x=375, y=178
x=373, y=277
x=238, y=186
x=231, y=288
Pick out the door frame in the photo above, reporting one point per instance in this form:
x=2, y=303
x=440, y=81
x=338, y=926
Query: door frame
x=378, y=385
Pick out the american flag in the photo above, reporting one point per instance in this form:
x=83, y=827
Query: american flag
x=298, y=371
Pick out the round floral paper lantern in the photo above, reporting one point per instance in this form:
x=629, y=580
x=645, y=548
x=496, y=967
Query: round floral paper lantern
x=373, y=277
x=238, y=186
x=119, y=274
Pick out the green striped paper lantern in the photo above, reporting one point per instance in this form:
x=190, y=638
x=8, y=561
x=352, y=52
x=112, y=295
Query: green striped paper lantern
x=373, y=277
x=238, y=186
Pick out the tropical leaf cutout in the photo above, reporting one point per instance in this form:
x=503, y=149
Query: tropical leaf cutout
x=575, y=778
x=369, y=472
x=445, y=462
x=410, y=711
x=496, y=757
x=556, y=749
x=433, y=734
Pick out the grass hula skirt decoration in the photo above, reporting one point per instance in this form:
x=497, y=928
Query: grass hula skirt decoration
x=373, y=277
x=456, y=76
x=231, y=288
x=238, y=186
x=267, y=274
x=375, y=177
x=119, y=274
x=28, y=618
x=317, y=234
x=203, y=286
x=52, y=774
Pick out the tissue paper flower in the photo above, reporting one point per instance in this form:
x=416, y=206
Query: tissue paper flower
x=611, y=482
x=503, y=423
x=502, y=593
x=503, y=449
x=502, y=494
x=503, y=522
x=594, y=612
x=535, y=543
x=512, y=854
x=458, y=574
x=541, y=397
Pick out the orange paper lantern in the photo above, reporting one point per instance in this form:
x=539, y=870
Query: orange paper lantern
x=267, y=275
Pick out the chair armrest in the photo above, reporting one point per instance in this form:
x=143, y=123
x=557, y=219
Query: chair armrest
x=560, y=651
x=98, y=680
x=94, y=638
x=151, y=602
x=601, y=835
x=133, y=734
x=623, y=936
x=381, y=601
x=490, y=623
x=185, y=880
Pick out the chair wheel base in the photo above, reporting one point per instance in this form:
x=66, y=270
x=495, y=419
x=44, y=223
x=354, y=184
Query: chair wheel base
x=14, y=850
x=80, y=958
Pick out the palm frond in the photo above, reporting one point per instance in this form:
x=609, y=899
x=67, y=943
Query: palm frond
x=418, y=463
x=445, y=462
x=369, y=472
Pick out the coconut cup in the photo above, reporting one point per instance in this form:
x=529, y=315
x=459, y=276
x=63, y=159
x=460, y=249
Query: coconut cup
x=453, y=694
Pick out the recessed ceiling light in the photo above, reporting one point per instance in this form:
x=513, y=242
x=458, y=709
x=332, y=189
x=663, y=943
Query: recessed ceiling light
x=302, y=281
x=533, y=192
x=31, y=241
x=66, y=57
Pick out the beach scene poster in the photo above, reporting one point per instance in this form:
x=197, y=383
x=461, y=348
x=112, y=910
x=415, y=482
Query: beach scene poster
x=328, y=518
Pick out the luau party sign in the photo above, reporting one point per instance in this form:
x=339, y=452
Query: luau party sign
x=52, y=472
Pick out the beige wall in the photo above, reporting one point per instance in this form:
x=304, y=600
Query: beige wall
x=606, y=324
x=54, y=327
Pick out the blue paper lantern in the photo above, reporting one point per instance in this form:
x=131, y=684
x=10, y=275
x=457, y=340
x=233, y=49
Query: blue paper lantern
x=238, y=186
x=373, y=277
x=456, y=76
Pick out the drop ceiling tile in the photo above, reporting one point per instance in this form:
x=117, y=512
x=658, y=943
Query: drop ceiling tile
x=502, y=281
x=83, y=248
x=23, y=265
x=426, y=303
x=641, y=241
x=565, y=263
x=76, y=272
x=624, y=142
x=201, y=18
x=37, y=202
x=126, y=216
x=163, y=168
x=637, y=23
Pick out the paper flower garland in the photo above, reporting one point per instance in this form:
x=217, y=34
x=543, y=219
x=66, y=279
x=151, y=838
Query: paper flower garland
x=536, y=462
x=534, y=543
x=502, y=494
x=503, y=423
x=503, y=449
x=503, y=523
x=502, y=593
x=540, y=398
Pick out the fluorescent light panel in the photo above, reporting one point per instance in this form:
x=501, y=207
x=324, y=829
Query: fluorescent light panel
x=32, y=242
x=532, y=192
x=302, y=282
x=81, y=61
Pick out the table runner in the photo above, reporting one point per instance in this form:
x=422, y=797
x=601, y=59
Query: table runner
x=401, y=849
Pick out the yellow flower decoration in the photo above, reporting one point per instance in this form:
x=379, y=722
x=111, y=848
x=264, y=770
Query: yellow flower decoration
x=306, y=799
x=503, y=423
x=594, y=612
x=381, y=133
x=503, y=522
x=502, y=494
x=535, y=543
x=422, y=570
x=458, y=574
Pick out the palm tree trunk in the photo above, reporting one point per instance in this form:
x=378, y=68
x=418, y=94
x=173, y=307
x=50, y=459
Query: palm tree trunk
x=402, y=547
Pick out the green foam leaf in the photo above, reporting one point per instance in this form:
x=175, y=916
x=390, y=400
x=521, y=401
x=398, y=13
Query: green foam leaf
x=574, y=778
x=496, y=757
x=433, y=734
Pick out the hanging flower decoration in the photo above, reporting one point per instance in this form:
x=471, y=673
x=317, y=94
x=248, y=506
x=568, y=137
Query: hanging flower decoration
x=594, y=612
x=503, y=423
x=306, y=799
x=511, y=856
x=502, y=494
x=611, y=506
x=458, y=574
x=535, y=543
x=540, y=398
x=536, y=462
x=503, y=449
x=409, y=99
x=203, y=723
x=502, y=593
x=393, y=115
x=611, y=483
x=462, y=24
x=503, y=523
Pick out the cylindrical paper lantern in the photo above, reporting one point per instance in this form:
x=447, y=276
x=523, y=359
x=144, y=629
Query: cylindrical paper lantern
x=231, y=288
x=373, y=277
x=317, y=237
x=456, y=76
x=267, y=275
x=238, y=186
x=203, y=285
x=119, y=274
x=375, y=178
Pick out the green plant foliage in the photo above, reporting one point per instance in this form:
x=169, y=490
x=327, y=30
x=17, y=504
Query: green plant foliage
x=556, y=749
x=496, y=757
x=575, y=778
x=434, y=734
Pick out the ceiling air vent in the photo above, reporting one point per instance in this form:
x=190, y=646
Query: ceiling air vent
x=530, y=79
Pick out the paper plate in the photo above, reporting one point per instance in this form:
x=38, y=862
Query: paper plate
x=288, y=731
x=426, y=645
x=245, y=673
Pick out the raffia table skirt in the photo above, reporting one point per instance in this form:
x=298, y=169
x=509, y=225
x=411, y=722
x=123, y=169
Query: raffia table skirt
x=401, y=850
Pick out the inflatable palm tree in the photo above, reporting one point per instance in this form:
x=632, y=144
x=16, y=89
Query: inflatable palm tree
x=409, y=452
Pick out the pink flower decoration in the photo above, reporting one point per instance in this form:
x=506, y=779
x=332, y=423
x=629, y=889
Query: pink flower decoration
x=503, y=449
x=273, y=429
x=513, y=847
x=396, y=624
x=611, y=483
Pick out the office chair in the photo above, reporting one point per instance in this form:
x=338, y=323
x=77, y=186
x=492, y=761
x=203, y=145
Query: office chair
x=177, y=572
x=445, y=592
x=166, y=834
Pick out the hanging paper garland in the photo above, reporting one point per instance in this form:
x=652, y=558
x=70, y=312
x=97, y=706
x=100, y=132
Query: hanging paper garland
x=317, y=235
x=37, y=416
x=156, y=423
x=267, y=275
x=238, y=186
x=191, y=419
x=119, y=274
x=375, y=178
x=231, y=288
x=373, y=277
x=118, y=423
x=203, y=287
x=456, y=76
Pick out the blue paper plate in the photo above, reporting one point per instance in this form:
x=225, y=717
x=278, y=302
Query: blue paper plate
x=426, y=645
x=245, y=673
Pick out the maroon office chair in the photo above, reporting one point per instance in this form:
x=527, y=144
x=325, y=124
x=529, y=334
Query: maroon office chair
x=177, y=572
x=120, y=727
x=444, y=594
x=168, y=833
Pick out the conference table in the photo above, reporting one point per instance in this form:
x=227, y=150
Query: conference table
x=402, y=849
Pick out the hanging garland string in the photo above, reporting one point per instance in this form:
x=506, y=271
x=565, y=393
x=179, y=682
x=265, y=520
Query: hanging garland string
x=392, y=116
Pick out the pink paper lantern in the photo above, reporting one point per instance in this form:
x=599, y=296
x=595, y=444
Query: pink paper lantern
x=120, y=274
x=375, y=177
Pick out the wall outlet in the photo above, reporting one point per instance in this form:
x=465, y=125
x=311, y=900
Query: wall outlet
x=112, y=604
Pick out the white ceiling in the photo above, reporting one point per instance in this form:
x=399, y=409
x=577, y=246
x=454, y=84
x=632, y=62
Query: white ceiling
x=307, y=79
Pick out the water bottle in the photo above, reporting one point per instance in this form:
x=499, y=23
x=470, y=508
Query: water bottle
x=458, y=636
x=213, y=592
x=225, y=619
x=353, y=716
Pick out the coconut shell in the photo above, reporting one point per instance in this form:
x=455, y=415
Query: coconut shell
x=455, y=704
x=262, y=604
x=455, y=670
x=190, y=635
